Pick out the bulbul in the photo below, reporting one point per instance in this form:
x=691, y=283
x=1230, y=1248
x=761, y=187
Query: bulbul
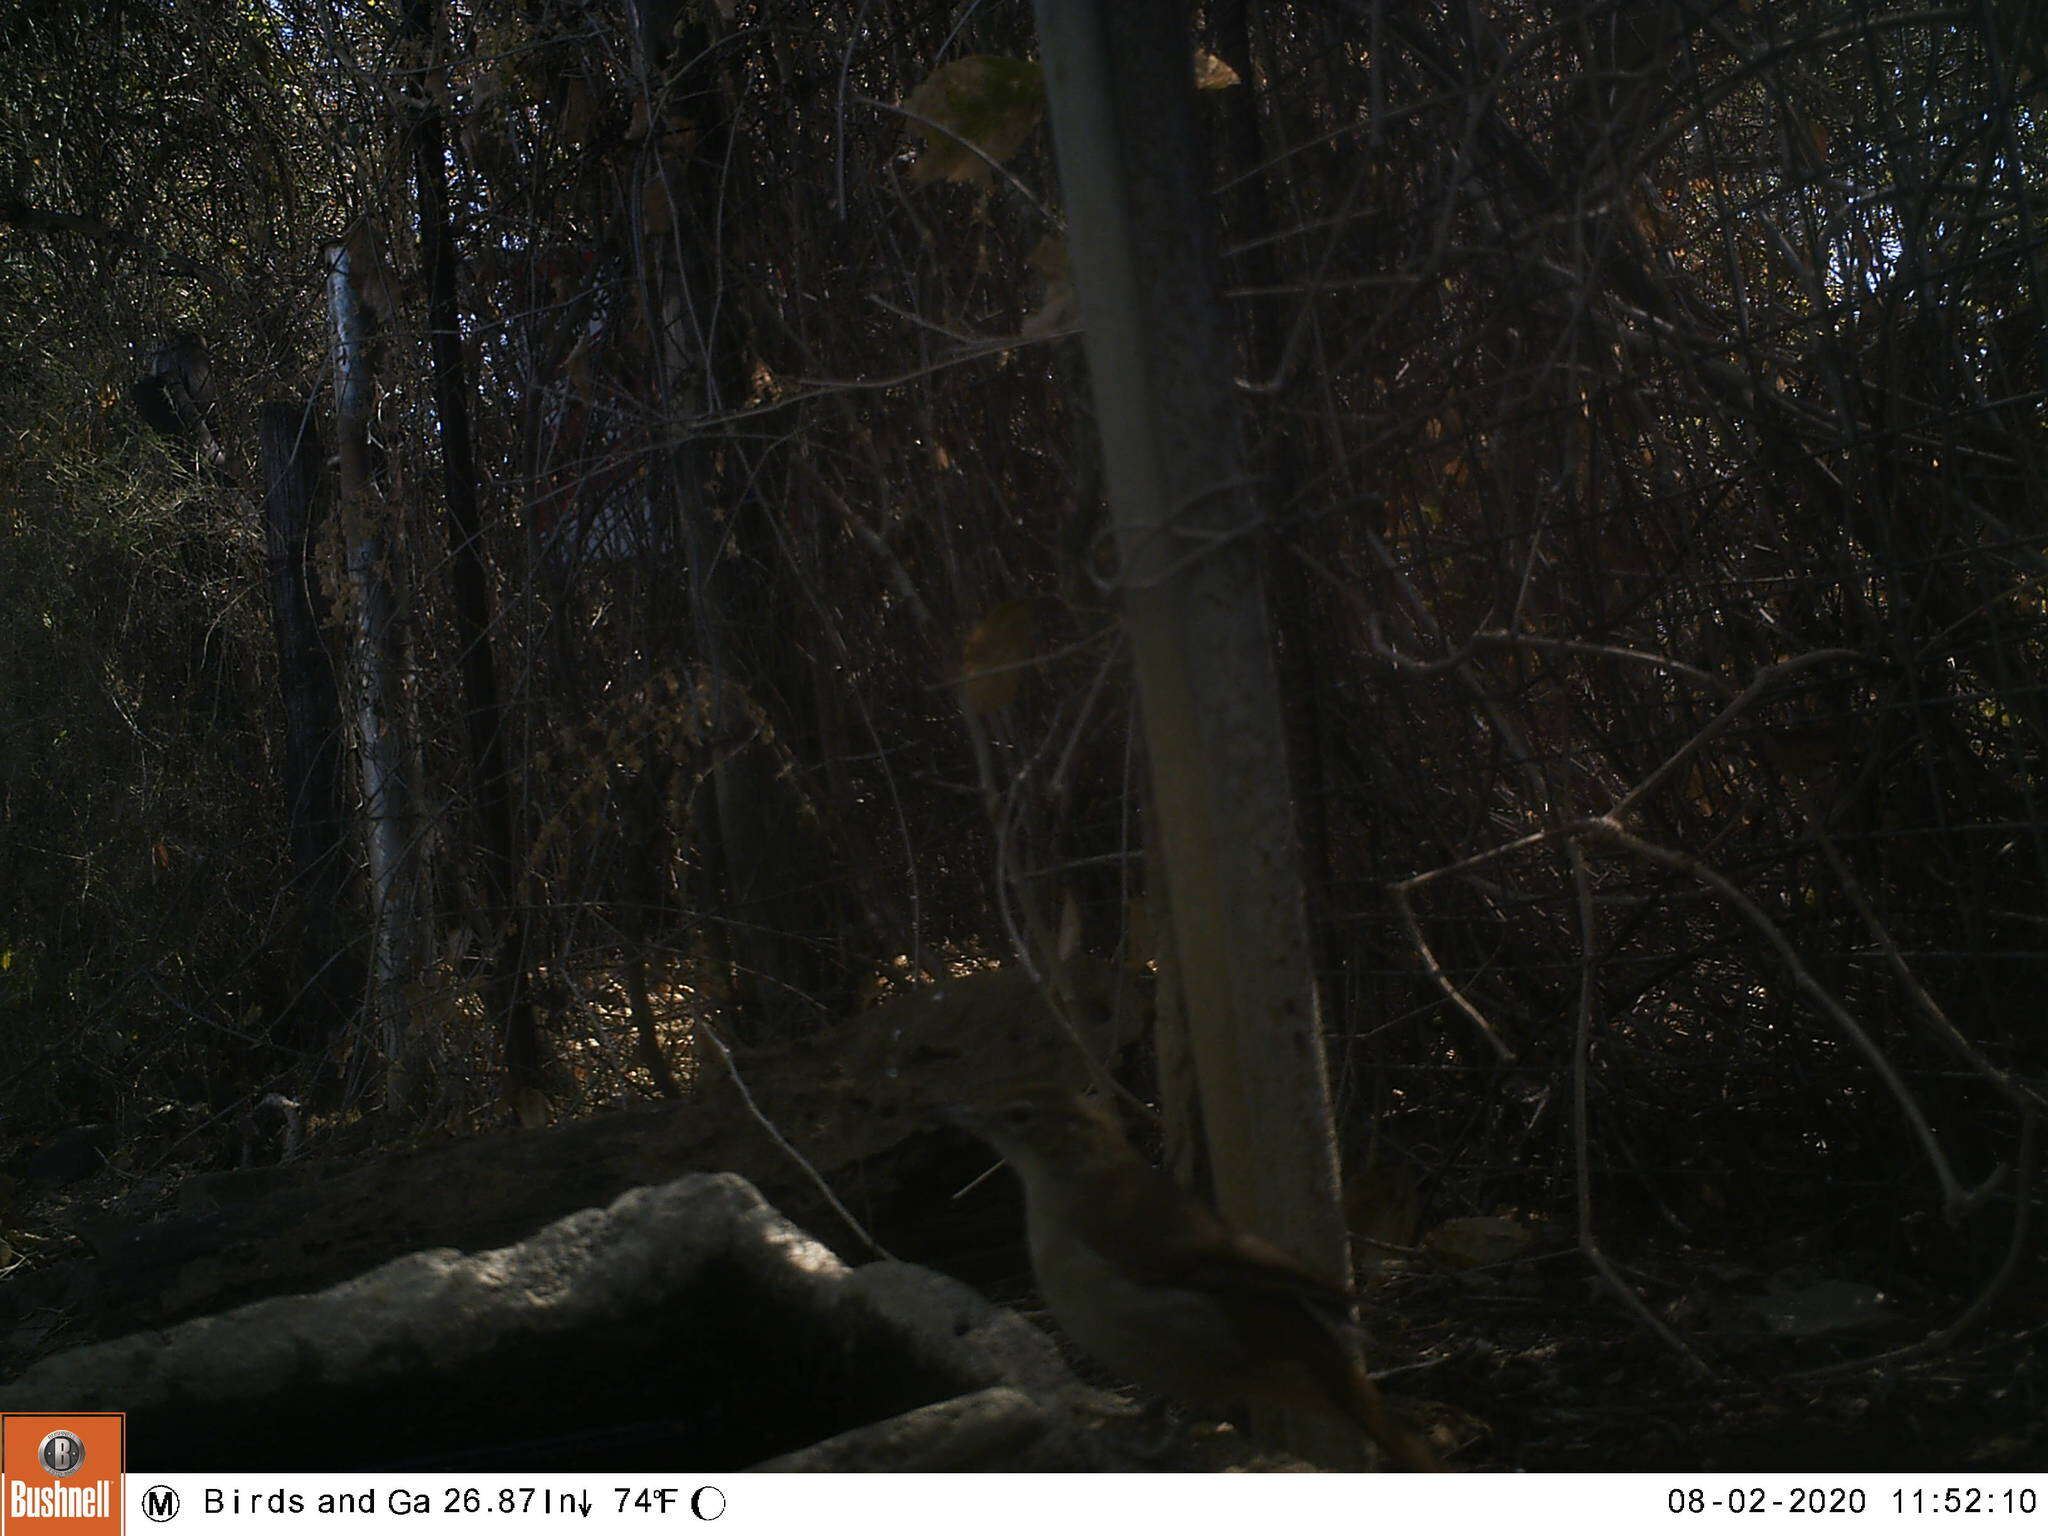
x=1154, y=1284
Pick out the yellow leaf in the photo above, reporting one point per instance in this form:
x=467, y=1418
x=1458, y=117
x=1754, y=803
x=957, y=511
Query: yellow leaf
x=996, y=652
x=987, y=102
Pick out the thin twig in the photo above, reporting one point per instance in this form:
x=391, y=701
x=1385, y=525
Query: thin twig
x=2015, y=1253
x=705, y=1031
x=1582, y=1157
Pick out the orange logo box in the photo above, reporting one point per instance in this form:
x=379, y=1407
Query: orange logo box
x=60, y=1474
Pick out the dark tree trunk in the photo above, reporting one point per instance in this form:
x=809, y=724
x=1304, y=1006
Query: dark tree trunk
x=316, y=820
x=510, y=1000
x=765, y=855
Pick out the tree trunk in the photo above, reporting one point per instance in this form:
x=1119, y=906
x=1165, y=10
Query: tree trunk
x=387, y=796
x=510, y=1001
x=1119, y=83
x=330, y=976
x=763, y=852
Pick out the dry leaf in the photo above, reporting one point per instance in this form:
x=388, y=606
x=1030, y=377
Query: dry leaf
x=1469, y=1242
x=1826, y=1306
x=1061, y=311
x=657, y=213
x=1069, y=943
x=530, y=1109
x=1383, y=1206
x=579, y=114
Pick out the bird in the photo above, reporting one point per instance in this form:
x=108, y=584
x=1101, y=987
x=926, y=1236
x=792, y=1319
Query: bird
x=1151, y=1282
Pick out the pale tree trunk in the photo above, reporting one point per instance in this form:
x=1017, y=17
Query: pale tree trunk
x=1119, y=82
x=387, y=796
